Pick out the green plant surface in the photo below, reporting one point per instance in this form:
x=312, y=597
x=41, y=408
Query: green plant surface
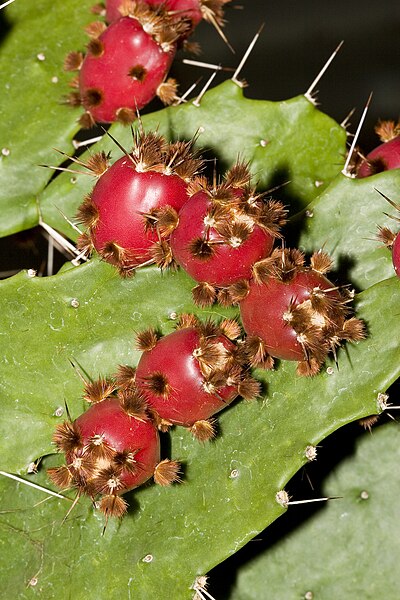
x=212, y=514
x=33, y=120
x=348, y=549
x=344, y=221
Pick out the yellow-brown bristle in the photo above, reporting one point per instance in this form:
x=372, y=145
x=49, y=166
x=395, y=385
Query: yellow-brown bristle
x=167, y=220
x=97, y=448
x=238, y=291
x=125, y=377
x=204, y=430
x=91, y=98
x=113, y=506
x=255, y=350
x=208, y=329
x=204, y=294
x=353, y=330
x=213, y=11
x=114, y=253
x=67, y=437
x=167, y=472
x=161, y=254
x=88, y=213
x=125, y=460
x=95, y=29
x=202, y=249
x=235, y=232
x=238, y=176
x=249, y=388
x=321, y=262
x=86, y=121
x=264, y=269
x=167, y=91
x=98, y=163
x=387, y=130
x=308, y=368
x=313, y=343
x=84, y=243
x=147, y=339
x=230, y=328
x=98, y=390
x=61, y=477
x=82, y=467
x=158, y=384
x=386, y=236
x=223, y=195
x=148, y=149
x=369, y=422
x=271, y=216
x=95, y=48
x=138, y=72
x=198, y=184
x=133, y=403
x=180, y=158
x=73, y=61
x=224, y=298
x=125, y=115
x=211, y=355
x=74, y=83
x=186, y=320
x=73, y=99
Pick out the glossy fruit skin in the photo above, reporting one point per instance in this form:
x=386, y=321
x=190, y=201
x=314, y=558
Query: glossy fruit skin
x=126, y=45
x=121, y=195
x=122, y=432
x=384, y=157
x=263, y=309
x=188, y=402
x=396, y=254
x=228, y=265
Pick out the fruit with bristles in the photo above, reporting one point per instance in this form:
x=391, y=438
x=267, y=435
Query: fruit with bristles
x=386, y=156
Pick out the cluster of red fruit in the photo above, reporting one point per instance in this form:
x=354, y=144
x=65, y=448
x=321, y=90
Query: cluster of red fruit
x=129, y=56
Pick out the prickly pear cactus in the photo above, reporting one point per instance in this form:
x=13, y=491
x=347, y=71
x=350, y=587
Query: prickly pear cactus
x=89, y=315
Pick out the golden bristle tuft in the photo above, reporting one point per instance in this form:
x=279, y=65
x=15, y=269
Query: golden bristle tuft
x=61, y=477
x=238, y=291
x=98, y=390
x=147, y=339
x=198, y=184
x=83, y=468
x=167, y=472
x=186, y=320
x=167, y=91
x=204, y=294
x=183, y=160
x=238, y=176
x=203, y=431
x=67, y=437
x=208, y=329
x=234, y=232
x=74, y=83
x=157, y=383
x=148, y=150
x=387, y=130
x=321, y=262
x=125, y=460
x=98, y=163
x=73, y=99
x=202, y=249
x=113, y=506
x=91, y=98
x=308, y=368
x=108, y=480
x=88, y=213
x=73, y=61
x=271, y=216
x=249, y=388
x=369, y=422
x=353, y=330
x=167, y=220
x=95, y=48
x=255, y=350
x=86, y=121
x=230, y=328
x=264, y=269
x=133, y=403
x=138, y=72
x=125, y=377
x=113, y=253
x=125, y=115
x=84, y=243
x=161, y=255
x=386, y=236
x=95, y=29
x=224, y=297
x=97, y=448
x=211, y=355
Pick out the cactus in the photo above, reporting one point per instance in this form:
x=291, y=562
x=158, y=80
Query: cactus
x=84, y=319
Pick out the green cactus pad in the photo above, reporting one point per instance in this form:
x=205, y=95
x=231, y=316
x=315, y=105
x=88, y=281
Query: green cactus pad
x=228, y=495
x=347, y=549
x=302, y=144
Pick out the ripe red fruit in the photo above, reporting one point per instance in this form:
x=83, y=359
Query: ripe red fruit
x=386, y=156
x=134, y=204
x=293, y=312
x=125, y=66
x=192, y=373
x=396, y=254
x=391, y=239
x=222, y=231
x=110, y=449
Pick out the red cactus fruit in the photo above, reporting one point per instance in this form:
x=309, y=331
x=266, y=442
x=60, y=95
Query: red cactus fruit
x=396, y=254
x=110, y=449
x=125, y=67
x=386, y=156
x=133, y=207
x=222, y=231
x=190, y=11
x=293, y=312
x=191, y=374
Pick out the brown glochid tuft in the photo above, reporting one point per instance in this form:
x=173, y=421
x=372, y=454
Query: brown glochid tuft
x=204, y=430
x=167, y=472
x=147, y=339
